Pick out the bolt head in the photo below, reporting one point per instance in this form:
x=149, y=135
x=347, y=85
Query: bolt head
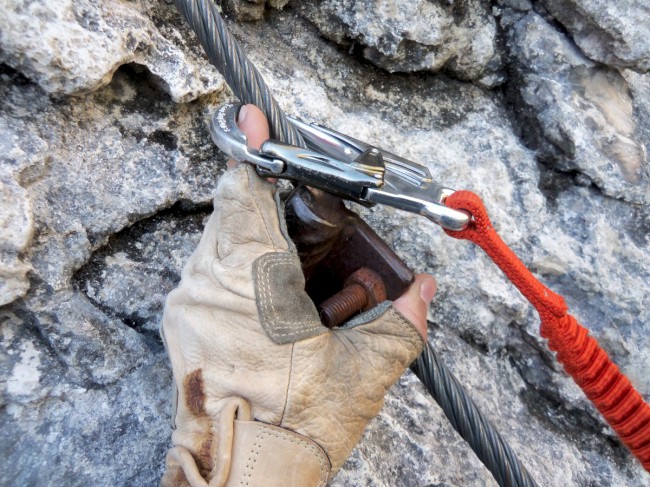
x=372, y=283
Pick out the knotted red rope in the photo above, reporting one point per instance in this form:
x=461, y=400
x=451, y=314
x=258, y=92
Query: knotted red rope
x=583, y=359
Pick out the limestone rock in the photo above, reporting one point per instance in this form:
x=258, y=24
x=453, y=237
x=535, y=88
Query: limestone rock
x=612, y=33
x=126, y=166
x=55, y=432
x=107, y=194
x=17, y=226
x=249, y=10
x=76, y=46
x=458, y=37
x=579, y=114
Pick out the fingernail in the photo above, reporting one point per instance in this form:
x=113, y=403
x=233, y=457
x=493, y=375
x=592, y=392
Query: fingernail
x=243, y=111
x=428, y=290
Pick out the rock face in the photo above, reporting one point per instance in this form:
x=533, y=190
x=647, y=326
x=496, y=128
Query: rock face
x=459, y=37
x=74, y=47
x=17, y=225
x=613, y=33
x=106, y=175
x=251, y=9
x=578, y=114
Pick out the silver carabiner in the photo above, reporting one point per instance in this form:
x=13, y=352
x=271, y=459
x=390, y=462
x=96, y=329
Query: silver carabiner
x=349, y=180
x=341, y=165
x=407, y=185
x=231, y=140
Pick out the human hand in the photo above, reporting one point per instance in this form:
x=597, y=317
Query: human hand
x=266, y=394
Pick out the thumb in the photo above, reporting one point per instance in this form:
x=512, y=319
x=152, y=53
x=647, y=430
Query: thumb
x=253, y=123
x=414, y=303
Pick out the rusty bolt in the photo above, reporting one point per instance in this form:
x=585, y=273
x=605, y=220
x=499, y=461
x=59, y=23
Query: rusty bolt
x=362, y=290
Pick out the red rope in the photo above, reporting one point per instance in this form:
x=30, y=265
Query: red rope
x=582, y=358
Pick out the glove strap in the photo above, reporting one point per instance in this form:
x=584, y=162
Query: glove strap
x=265, y=455
x=252, y=454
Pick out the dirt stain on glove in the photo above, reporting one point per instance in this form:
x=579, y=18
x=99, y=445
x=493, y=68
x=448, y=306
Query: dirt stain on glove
x=194, y=393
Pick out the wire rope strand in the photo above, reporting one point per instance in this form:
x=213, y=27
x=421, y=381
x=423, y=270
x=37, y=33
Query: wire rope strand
x=229, y=58
x=466, y=418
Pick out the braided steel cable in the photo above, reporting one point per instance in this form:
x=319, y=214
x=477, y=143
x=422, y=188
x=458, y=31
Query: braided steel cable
x=247, y=84
x=227, y=55
x=466, y=418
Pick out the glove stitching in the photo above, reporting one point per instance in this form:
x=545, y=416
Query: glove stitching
x=267, y=266
x=286, y=397
x=252, y=456
x=304, y=444
x=267, y=299
x=410, y=328
x=259, y=208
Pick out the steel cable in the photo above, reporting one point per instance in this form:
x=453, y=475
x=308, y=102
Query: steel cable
x=229, y=58
x=466, y=418
x=247, y=84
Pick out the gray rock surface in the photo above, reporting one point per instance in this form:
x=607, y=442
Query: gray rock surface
x=579, y=114
x=251, y=9
x=74, y=47
x=17, y=224
x=104, y=195
x=459, y=37
x=613, y=33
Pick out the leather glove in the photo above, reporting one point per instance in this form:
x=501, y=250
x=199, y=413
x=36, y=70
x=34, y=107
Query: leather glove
x=265, y=394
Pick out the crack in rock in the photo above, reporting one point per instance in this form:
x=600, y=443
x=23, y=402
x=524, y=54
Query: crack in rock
x=131, y=275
